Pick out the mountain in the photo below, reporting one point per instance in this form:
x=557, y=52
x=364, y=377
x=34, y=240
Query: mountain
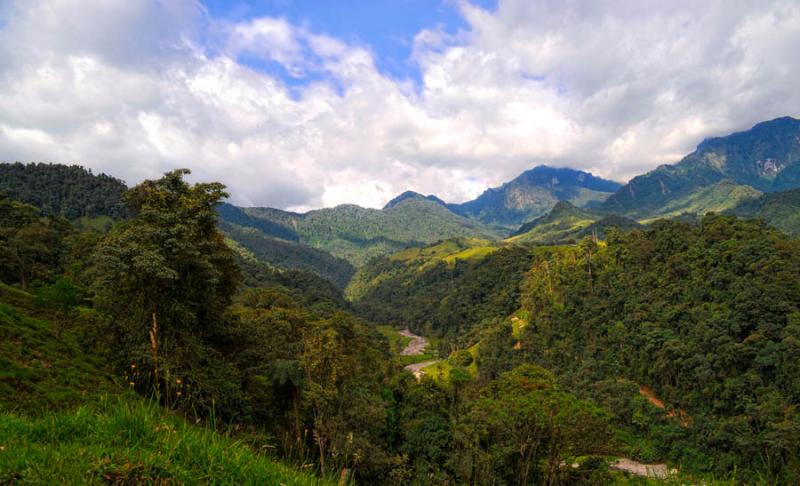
x=237, y=216
x=567, y=223
x=764, y=158
x=69, y=191
x=285, y=254
x=412, y=195
x=780, y=209
x=357, y=234
x=533, y=193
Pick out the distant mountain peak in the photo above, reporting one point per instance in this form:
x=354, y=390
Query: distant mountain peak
x=407, y=195
x=533, y=193
x=765, y=158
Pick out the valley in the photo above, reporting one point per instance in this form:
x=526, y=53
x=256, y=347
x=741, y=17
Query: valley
x=560, y=328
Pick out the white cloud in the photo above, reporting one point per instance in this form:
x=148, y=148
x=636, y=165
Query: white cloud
x=137, y=88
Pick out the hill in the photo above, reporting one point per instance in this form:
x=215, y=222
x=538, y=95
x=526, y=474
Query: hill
x=566, y=223
x=357, y=234
x=64, y=415
x=764, y=158
x=669, y=328
x=780, y=209
x=412, y=195
x=533, y=193
x=289, y=254
x=69, y=191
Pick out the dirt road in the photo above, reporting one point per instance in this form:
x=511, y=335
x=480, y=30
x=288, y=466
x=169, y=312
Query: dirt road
x=416, y=346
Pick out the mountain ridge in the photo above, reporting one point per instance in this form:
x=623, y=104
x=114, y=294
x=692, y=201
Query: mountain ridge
x=533, y=193
x=764, y=157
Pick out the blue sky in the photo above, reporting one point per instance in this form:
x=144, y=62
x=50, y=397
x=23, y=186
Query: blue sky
x=387, y=27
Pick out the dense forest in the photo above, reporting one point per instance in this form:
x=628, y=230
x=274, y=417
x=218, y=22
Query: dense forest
x=700, y=317
x=672, y=345
x=68, y=191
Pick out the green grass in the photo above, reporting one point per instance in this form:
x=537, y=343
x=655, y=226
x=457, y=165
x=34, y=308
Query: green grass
x=718, y=198
x=129, y=441
x=43, y=367
x=475, y=253
x=65, y=420
x=448, y=251
x=441, y=371
x=396, y=342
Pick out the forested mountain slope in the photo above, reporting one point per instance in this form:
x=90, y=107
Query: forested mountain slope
x=700, y=319
x=706, y=315
x=534, y=193
x=285, y=254
x=357, y=234
x=68, y=191
x=780, y=209
x=764, y=158
x=566, y=223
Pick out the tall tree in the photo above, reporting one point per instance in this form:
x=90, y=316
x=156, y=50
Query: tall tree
x=166, y=274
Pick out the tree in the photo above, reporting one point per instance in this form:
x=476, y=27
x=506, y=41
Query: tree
x=523, y=428
x=166, y=274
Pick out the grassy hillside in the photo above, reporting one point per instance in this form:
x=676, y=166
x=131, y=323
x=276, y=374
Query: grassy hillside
x=44, y=365
x=62, y=415
x=127, y=440
x=717, y=198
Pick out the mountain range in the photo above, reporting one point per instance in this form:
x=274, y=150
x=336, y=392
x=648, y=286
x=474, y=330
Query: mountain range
x=753, y=174
x=533, y=193
x=719, y=174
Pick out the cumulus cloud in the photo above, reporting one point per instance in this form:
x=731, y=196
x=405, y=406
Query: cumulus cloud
x=137, y=88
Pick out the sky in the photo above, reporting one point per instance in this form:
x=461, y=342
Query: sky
x=300, y=104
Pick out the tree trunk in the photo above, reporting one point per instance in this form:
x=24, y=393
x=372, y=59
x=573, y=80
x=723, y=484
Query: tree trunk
x=154, y=345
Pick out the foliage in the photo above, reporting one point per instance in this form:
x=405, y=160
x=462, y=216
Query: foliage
x=440, y=298
x=290, y=255
x=311, y=371
x=780, y=209
x=166, y=277
x=522, y=430
x=68, y=191
x=704, y=315
x=32, y=247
